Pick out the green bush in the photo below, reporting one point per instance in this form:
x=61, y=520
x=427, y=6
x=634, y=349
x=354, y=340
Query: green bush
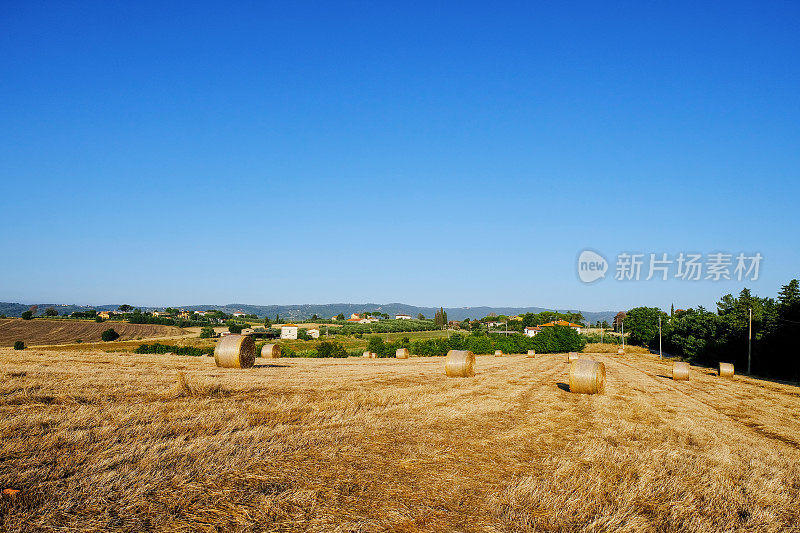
x=109, y=335
x=27, y=315
x=19, y=345
x=166, y=348
x=235, y=328
x=331, y=349
x=207, y=332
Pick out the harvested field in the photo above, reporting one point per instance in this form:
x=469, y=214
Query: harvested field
x=98, y=441
x=41, y=332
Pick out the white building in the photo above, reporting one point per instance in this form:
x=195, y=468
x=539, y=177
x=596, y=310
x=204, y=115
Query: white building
x=289, y=331
x=313, y=333
x=402, y=317
x=531, y=332
x=238, y=314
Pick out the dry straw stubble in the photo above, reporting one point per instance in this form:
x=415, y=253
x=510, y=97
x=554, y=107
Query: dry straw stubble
x=235, y=351
x=459, y=364
x=587, y=377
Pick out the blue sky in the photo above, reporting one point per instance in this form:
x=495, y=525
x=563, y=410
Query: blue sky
x=450, y=154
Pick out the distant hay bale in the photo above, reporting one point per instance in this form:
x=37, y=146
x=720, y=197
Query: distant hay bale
x=366, y=355
x=587, y=377
x=680, y=371
x=531, y=353
x=235, y=351
x=401, y=353
x=373, y=355
x=621, y=351
x=271, y=351
x=498, y=353
x=725, y=370
x=572, y=356
x=459, y=364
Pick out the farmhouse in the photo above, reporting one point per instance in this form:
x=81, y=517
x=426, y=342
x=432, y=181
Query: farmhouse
x=105, y=315
x=313, y=333
x=531, y=332
x=576, y=327
x=289, y=331
x=402, y=317
x=238, y=314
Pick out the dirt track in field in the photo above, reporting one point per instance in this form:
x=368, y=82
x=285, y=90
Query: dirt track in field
x=42, y=332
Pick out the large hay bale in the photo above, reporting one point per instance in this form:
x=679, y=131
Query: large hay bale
x=587, y=377
x=235, y=351
x=401, y=353
x=572, y=356
x=366, y=355
x=531, y=353
x=271, y=351
x=459, y=364
x=498, y=353
x=725, y=370
x=680, y=371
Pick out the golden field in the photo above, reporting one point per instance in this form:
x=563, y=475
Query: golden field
x=122, y=442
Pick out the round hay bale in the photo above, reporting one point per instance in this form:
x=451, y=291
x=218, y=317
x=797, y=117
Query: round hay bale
x=531, y=353
x=373, y=355
x=498, y=353
x=459, y=364
x=587, y=377
x=366, y=355
x=271, y=351
x=235, y=351
x=680, y=371
x=725, y=370
x=621, y=351
x=572, y=356
x=401, y=353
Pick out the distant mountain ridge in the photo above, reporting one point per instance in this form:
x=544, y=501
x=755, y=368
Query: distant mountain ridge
x=304, y=311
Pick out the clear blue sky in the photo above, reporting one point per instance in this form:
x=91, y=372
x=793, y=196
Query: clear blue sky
x=448, y=154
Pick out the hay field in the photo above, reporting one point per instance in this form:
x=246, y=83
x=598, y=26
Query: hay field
x=40, y=331
x=101, y=442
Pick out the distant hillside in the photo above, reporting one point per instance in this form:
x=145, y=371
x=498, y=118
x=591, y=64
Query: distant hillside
x=300, y=312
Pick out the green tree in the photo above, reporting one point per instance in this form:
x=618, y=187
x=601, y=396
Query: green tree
x=234, y=327
x=267, y=322
x=641, y=325
x=207, y=332
x=109, y=335
x=50, y=311
x=19, y=345
x=340, y=316
x=124, y=308
x=420, y=316
x=27, y=315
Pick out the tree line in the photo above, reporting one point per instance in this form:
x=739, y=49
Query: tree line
x=708, y=337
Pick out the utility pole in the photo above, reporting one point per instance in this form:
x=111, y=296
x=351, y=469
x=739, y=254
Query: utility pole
x=623, y=335
x=660, y=353
x=749, y=340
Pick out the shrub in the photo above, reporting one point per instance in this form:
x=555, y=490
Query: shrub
x=19, y=345
x=331, y=349
x=207, y=332
x=166, y=348
x=235, y=328
x=27, y=315
x=109, y=335
x=98, y=318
